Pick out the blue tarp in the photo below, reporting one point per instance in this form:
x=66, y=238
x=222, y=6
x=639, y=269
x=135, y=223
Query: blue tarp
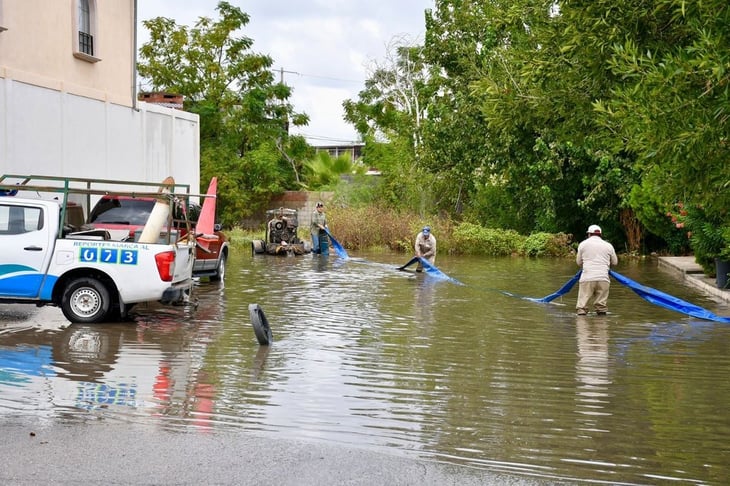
x=341, y=252
x=431, y=270
x=667, y=301
x=561, y=291
x=649, y=294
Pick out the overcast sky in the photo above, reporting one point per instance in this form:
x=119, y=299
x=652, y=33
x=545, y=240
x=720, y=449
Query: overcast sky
x=326, y=45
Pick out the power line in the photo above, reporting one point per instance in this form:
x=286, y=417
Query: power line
x=327, y=139
x=332, y=78
x=281, y=71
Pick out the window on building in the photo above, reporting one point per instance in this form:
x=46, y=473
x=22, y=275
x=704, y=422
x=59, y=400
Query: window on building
x=85, y=38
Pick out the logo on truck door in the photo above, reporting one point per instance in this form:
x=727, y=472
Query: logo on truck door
x=108, y=255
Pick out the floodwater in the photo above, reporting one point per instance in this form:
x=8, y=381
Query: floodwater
x=396, y=361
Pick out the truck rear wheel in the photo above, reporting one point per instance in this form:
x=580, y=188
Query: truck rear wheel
x=86, y=300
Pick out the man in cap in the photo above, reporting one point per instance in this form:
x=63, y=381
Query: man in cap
x=425, y=247
x=595, y=256
x=320, y=242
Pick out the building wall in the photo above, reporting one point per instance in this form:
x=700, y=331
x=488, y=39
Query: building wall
x=303, y=201
x=66, y=113
x=48, y=132
x=354, y=150
x=37, y=48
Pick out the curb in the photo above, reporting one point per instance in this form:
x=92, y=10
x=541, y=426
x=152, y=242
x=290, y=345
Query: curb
x=692, y=274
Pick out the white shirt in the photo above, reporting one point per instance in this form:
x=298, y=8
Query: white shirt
x=595, y=256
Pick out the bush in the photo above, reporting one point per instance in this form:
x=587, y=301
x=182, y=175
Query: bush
x=374, y=226
x=473, y=239
x=547, y=244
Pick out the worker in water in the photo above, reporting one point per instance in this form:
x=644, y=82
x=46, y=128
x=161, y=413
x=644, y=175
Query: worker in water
x=595, y=256
x=425, y=247
x=320, y=241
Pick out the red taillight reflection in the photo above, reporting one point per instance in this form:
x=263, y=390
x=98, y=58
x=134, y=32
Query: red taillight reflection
x=165, y=265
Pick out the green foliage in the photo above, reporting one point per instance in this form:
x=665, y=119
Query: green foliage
x=244, y=113
x=402, y=185
x=361, y=190
x=375, y=226
x=531, y=115
x=705, y=235
x=648, y=203
x=389, y=115
x=707, y=232
x=241, y=240
x=245, y=184
x=547, y=245
x=492, y=206
x=725, y=251
x=473, y=239
x=672, y=108
x=325, y=172
x=546, y=117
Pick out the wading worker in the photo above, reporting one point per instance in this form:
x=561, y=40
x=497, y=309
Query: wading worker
x=320, y=243
x=595, y=256
x=425, y=247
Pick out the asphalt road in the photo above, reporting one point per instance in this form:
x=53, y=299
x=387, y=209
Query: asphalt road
x=124, y=454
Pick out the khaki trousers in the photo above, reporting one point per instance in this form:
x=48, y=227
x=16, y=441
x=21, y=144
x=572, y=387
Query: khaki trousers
x=592, y=291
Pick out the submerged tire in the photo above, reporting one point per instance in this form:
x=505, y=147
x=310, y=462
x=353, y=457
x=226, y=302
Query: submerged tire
x=260, y=324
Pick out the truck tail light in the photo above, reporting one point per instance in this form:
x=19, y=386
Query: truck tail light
x=165, y=265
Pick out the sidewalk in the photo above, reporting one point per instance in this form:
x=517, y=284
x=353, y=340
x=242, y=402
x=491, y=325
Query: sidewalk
x=693, y=275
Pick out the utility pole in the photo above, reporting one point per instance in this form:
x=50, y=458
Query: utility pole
x=281, y=74
x=281, y=81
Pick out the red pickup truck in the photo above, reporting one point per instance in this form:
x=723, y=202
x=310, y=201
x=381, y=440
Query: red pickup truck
x=125, y=216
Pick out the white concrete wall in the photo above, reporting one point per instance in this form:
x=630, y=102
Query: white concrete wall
x=48, y=132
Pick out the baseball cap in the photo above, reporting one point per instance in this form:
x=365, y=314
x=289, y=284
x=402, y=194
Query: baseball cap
x=320, y=204
x=426, y=230
x=594, y=229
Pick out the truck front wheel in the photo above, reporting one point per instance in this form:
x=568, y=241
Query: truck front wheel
x=86, y=300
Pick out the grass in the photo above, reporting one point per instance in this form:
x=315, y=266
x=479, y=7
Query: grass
x=374, y=228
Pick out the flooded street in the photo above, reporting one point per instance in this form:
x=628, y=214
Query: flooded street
x=367, y=355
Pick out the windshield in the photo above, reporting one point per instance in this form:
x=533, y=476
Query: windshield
x=122, y=211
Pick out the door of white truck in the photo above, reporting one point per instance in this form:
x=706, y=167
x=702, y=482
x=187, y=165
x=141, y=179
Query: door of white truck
x=26, y=247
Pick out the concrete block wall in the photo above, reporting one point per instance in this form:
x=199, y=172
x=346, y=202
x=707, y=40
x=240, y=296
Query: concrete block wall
x=304, y=202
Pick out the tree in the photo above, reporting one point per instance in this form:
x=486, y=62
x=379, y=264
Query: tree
x=673, y=104
x=242, y=109
x=324, y=172
x=389, y=114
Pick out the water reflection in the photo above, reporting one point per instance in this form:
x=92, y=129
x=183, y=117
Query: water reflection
x=592, y=372
x=425, y=296
x=592, y=366
x=368, y=355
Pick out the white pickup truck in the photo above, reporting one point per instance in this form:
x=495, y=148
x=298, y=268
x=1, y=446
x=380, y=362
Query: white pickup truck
x=91, y=277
